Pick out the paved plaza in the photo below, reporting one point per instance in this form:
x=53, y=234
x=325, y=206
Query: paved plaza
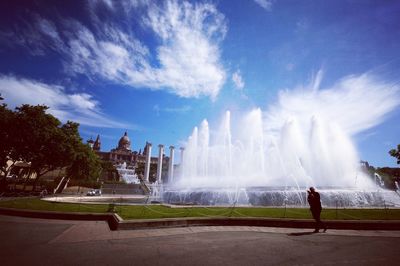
x=27, y=241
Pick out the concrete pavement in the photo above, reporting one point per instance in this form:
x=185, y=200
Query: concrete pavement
x=56, y=242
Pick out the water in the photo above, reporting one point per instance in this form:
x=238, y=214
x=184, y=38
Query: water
x=304, y=139
x=315, y=154
x=127, y=174
x=249, y=165
x=272, y=196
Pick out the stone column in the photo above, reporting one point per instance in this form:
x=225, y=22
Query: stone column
x=171, y=164
x=181, y=165
x=160, y=161
x=147, y=165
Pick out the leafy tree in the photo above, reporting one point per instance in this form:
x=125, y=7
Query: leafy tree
x=30, y=134
x=42, y=141
x=109, y=171
x=6, y=139
x=396, y=153
x=86, y=165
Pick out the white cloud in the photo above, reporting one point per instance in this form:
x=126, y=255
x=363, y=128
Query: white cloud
x=78, y=107
x=48, y=28
x=189, y=55
x=186, y=61
x=266, y=4
x=355, y=103
x=238, y=80
x=116, y=58
x=108, y=3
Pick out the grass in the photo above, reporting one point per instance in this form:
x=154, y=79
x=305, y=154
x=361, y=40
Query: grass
x=129, y=212
x=41, y=205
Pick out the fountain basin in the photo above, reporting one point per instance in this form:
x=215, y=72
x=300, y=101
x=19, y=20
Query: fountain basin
x=276, y=196
x=128, y=199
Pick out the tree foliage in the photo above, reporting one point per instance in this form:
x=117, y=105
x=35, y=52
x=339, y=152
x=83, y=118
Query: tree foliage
x=6, y=137
x=396, y=153
x=109, y=171
x=39, y=139
x=85, y=165
x=32, y=135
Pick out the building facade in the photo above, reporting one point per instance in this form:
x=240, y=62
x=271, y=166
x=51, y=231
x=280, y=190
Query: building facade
x=133, y=159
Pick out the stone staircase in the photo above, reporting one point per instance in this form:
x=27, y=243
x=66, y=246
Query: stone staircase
x=123, y=189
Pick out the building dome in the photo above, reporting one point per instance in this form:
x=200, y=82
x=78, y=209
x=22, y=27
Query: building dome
x=124, y=142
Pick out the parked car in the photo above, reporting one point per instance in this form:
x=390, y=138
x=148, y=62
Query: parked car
x=94, y=192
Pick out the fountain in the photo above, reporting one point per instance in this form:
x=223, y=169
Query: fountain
x=273, y=169
x=127, y=174
x=378, y=180
x=272, y=157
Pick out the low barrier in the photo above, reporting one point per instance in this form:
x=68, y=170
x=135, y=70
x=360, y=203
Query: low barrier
x=116, y=223
x=111, y=218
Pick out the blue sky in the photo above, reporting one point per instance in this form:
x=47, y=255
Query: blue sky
x=158, y=68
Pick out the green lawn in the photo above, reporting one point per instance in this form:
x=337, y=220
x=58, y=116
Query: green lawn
x=157, y=211
x=37, y=204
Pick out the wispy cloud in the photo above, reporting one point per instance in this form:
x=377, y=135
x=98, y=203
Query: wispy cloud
x=266, y=4
x=364, y=136
x=355, y=103
x=238, y=80
x=48, y=28
x=78, y=107
x=186, y=61
x=189, y=55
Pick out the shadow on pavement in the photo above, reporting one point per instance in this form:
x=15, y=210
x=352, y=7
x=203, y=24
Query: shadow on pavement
x=302, y=233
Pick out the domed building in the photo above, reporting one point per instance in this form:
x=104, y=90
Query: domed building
x=123, y=154
x=124, y=143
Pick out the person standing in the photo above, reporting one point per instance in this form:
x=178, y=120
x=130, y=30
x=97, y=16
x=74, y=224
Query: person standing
x=315, y=208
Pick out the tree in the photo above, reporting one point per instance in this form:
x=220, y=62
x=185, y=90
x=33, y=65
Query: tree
x=6, y=139
x=84, y=162
x=109, y=171
x=86, y=165
x=40, y=140
x=32, y=135
x=396, y=153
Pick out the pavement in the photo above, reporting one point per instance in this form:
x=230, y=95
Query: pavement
x=30, y=241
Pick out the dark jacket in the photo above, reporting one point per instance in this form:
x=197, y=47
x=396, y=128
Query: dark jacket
x=314, y=201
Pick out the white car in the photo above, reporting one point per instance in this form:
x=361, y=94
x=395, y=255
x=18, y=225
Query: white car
x=94, y=192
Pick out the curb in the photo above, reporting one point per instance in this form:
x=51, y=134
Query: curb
x=262, y=222
x=110, y=218
x=115, y=222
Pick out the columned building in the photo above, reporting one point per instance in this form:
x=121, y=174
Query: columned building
x=133, y=159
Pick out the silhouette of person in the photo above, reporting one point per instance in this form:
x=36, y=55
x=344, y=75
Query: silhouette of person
x=315, y=208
